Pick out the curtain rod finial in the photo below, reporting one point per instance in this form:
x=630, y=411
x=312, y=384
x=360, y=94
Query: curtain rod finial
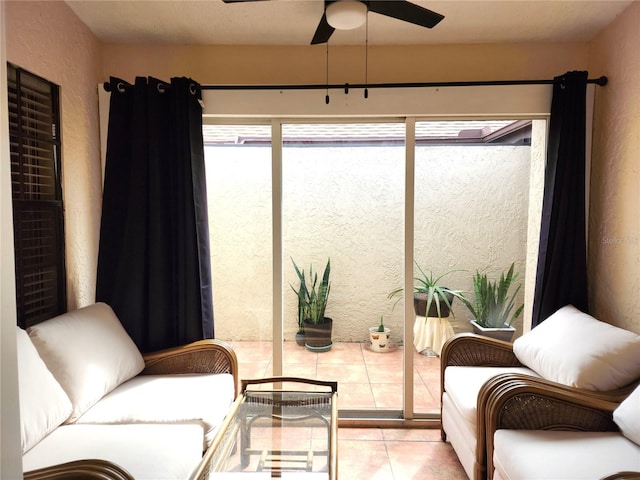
x=602, y=81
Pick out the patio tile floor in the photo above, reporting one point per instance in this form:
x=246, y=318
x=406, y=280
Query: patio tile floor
x=369, y=381
x=366, y=379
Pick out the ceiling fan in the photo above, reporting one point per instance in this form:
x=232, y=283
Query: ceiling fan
x=349, y=14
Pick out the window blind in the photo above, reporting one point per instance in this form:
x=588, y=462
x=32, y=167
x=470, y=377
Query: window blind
x=37, y=197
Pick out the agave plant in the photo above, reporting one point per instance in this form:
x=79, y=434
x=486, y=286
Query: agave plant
x=312, y=301
x=435, y=293
x=492, y=306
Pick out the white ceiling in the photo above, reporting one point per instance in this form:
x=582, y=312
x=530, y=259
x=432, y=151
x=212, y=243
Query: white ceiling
x=293, y=22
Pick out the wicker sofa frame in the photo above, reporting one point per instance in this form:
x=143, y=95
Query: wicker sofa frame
x=90, y=469
x=204, y=356
x=510, y=400
x=468, y=349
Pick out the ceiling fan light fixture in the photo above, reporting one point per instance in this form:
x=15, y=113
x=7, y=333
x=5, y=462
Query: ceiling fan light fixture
x=346, y=14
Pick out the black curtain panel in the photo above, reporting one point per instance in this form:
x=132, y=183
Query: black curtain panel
x=153, y=262
x=561, y=277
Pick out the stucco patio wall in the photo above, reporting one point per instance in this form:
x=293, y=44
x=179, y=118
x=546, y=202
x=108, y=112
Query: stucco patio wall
x=471, y=211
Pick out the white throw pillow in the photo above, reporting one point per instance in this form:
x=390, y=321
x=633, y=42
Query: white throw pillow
x=575, y=349
x=627, y=416
x=89, y=353
x=43, y=404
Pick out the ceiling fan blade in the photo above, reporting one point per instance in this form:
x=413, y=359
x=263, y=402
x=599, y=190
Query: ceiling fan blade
x=406, y=11
x=323, y=32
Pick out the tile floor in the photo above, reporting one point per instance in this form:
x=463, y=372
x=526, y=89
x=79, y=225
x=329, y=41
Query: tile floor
x=366, y=379
x=369, y=380
x=396, y=454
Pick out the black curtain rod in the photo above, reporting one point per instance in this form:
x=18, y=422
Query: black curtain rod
x=602, y=81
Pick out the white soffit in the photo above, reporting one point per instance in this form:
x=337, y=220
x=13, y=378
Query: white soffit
x=510, y=101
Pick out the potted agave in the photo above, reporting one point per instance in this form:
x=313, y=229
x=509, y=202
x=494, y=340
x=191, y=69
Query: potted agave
x=430, y=298
x=492, y=307
x=312, y=302
x=431, y=301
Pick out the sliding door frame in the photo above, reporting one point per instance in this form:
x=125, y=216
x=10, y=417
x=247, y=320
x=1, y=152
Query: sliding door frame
x=403, y=105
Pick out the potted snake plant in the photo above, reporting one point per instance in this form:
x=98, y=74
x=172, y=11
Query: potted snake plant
x=493, y=306
x=312, y=303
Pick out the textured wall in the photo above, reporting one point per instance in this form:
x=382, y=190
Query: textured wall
x=296, y=65
x=47, y=39
x=614, y=222
x=347, y=204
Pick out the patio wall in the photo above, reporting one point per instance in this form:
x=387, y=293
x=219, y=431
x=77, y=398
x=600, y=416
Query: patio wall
x=347, y=204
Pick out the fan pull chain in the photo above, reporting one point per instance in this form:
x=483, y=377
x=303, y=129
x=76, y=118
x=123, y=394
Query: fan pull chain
x=366, y=56
x=326, y=98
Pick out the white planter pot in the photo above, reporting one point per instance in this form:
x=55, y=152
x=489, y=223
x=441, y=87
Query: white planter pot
x=503, y=333
x=380, y=340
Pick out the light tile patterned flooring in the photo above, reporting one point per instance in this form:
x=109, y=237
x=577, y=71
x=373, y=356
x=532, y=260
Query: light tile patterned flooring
x=396, y=454
x=369, y=380
x=366, y=379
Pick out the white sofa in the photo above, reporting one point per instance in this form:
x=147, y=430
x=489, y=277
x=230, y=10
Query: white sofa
x=86, y=392
x=573, y=437
x=569, y=348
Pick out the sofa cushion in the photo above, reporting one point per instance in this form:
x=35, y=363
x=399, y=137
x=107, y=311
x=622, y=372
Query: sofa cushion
x=463, y=384
x=627, y=416
x=89, y=353
x=202, y=399
x=147, y=452
x=575, y=349
x=567, y=455
x=43, y=403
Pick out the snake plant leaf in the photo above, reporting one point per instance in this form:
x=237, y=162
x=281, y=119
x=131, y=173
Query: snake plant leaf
x=312, y=299
x=492, y=306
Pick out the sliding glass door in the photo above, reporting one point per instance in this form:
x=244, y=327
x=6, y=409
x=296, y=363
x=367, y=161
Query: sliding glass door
x=238, y=167
x=342, y=201
x=381, y=203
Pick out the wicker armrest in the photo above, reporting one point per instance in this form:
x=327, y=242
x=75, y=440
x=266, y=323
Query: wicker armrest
x=623, y=476
x=80, y=469
x=204, y=356
x=520, y=402
x=469, y=349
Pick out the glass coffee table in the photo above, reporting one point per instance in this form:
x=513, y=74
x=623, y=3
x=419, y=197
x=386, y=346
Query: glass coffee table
x=279, y=427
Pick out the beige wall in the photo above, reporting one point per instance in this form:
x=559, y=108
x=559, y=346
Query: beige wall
x=47, y=39
x=295, y=65
x=614, y=221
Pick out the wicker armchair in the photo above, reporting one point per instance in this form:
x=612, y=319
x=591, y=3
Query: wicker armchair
x=471, y=350
x=477, y=351
x=520, y=402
